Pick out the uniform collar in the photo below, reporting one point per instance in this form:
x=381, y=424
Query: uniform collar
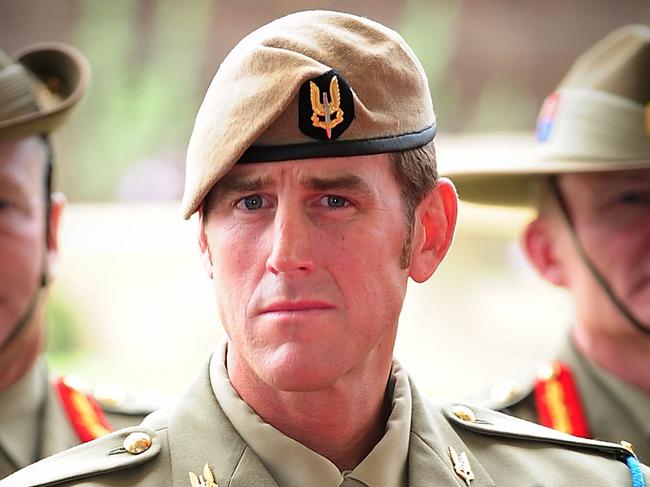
x=386, y=464
x=21, y=417
x=19, y=409
x=635, y=401
x=199, y=433
x=292, y=464
x=429, y=460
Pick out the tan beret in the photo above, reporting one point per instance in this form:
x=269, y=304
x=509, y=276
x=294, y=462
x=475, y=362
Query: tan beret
x=311, y=84
x=597, y=120
x=38, y=87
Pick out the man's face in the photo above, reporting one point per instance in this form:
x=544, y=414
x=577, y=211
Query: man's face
x=22, y=227
x=305, y=258
x=611, y=214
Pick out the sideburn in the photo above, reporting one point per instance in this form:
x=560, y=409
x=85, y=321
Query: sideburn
x=407, y=244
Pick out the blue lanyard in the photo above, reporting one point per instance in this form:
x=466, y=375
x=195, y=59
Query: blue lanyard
x=635, y=470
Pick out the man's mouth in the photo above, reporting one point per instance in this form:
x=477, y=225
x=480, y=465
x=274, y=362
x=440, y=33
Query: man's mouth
x=296, y=307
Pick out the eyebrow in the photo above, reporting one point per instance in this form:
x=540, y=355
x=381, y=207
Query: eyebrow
x=632, y=177
x=246, y=184
x=615, y=182
x=349, y=182
x=240, y=184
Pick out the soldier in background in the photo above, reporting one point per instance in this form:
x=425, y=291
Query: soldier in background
x=39, y=415
x=313, y=171
x=590, y=184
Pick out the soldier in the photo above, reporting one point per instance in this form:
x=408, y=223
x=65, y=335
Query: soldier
x=38, y=416
x=590, y=184
x=312, y=168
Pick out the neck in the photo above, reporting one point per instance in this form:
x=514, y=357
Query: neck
x=343, y=422
x=627, y=356
x=19, y=354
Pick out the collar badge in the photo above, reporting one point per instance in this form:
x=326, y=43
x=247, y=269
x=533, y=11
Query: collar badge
x=205, y=480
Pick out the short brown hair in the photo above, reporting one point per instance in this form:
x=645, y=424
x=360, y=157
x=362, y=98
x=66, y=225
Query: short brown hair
x=416, y=174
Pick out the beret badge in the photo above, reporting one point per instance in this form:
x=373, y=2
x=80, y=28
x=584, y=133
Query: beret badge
x=325, y=106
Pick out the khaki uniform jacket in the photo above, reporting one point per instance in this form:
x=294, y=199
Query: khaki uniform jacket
x=50, y=425
x=615, y=411
x=500, y=450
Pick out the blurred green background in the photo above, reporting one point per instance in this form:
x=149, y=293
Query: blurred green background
x=131, y=304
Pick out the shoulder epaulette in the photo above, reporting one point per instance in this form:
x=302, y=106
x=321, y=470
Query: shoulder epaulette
x=487, y=421
x=492, y=423
x=557, y=400
x=120, y=450
x=83, y=411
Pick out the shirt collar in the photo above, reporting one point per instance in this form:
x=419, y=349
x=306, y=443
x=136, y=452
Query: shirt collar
x=294, y=465
x=386, y=464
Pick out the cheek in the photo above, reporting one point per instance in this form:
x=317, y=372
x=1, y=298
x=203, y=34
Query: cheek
x=363, y=246
x=22, y=246
x=618, y=250
x=365, y=263
x=238, y=261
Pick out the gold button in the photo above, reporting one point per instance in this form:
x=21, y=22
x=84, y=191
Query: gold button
x=137, y=442
x=628, y=446
x=464, y=413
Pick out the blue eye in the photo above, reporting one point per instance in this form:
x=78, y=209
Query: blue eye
x=252, y=202
x=335, y=201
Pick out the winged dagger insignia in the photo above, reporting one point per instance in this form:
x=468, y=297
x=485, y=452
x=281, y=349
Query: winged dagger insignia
x=461, y=465
x=330, y=105
x=206, y=480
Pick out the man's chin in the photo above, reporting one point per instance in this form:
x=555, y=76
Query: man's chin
x=299, y=383
x=300, y=370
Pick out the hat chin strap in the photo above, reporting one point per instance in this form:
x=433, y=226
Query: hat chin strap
x=597, y=275
x=26, y=317
x=23, y=321
x=43, y=281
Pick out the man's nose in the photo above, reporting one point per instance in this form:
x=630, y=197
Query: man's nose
x=291, y=250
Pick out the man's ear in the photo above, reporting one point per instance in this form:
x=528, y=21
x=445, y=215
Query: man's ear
x=540, y=242
x=57, y=203
x=433, y=232
x=204, y=249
